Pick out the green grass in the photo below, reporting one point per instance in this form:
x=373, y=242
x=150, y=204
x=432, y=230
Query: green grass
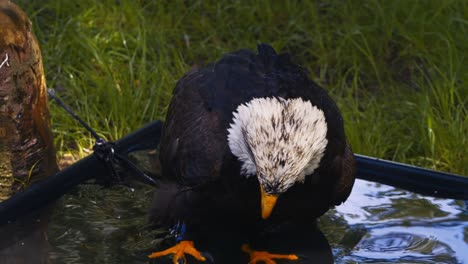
x=397, y=69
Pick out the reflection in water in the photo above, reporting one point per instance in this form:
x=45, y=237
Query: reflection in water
x=106, y=227
x=378, y=224
x=396, y=226
x=308, y=243
x=399, y=245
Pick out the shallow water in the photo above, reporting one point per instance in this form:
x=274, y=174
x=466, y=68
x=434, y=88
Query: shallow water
x=377, y=224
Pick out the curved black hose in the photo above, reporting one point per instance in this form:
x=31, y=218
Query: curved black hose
x=412, y=178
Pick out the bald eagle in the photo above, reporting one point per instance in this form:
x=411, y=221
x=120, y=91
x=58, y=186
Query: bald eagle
x=249, y=142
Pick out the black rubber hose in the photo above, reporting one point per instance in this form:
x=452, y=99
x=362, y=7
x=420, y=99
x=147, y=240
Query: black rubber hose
x=412, y=178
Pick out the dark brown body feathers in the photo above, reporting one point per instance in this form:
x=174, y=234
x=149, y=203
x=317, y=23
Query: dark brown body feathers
x=202, y=184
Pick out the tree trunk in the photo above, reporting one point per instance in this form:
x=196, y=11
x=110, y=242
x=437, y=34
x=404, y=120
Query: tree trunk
x=27, y=153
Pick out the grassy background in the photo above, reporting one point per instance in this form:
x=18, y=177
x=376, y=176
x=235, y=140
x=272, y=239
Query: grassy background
x=397, y=69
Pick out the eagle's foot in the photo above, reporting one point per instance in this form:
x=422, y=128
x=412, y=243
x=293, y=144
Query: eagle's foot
x=264, y=256
x=179, y=251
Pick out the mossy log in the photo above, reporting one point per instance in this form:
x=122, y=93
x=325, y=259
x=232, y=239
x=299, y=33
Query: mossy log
x=27, y=153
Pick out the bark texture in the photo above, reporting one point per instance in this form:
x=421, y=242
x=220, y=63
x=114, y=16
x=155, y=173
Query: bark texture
x=27, y=153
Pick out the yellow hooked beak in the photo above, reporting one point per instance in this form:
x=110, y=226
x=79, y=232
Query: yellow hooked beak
x=268, y=202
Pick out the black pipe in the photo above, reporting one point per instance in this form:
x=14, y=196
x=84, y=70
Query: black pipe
x=53, y=187
x=412, y=178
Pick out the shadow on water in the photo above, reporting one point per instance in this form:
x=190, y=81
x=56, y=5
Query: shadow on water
x=378, y=224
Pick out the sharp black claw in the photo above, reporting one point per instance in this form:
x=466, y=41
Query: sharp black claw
x=181, y=261
x=208, y=256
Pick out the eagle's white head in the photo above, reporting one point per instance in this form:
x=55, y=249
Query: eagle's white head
x=278, y=140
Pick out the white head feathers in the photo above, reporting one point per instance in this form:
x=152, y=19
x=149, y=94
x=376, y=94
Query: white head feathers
x=278, y=140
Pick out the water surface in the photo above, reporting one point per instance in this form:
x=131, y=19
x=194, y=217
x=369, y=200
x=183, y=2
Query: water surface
x=377, y=224
x=383, y=224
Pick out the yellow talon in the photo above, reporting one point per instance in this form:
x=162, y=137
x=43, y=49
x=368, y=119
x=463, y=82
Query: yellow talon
x=179, y=251
x=264, y=256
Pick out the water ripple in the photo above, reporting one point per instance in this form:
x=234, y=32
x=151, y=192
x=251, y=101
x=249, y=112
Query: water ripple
x=396, y=226
x=378, y=224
